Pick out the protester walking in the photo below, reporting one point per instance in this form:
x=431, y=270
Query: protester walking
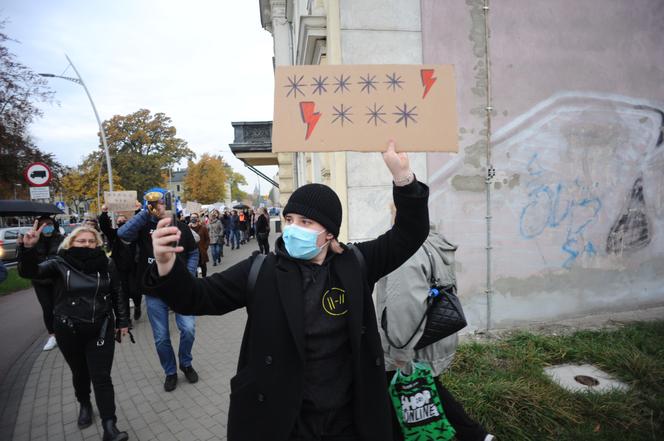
x=216, y=231
x=400, y=305
x=203, y=244
x=263, y=231
x=234, y=225
x=225, y=223
x=124, y=256
x=86, y=293
x=311, y=363
x=139, y=230
x=45, y=249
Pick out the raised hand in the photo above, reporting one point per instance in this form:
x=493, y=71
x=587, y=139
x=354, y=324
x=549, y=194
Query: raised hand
x=32, y=237
x=163, y=239
x=398, y=164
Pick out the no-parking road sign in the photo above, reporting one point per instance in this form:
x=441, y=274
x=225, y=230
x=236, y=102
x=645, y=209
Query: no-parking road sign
x=38, y=174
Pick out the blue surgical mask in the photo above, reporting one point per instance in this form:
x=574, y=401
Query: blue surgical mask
x=48, y=229
x=301, y=242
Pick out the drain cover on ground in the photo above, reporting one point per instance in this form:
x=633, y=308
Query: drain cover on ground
x=585, y=377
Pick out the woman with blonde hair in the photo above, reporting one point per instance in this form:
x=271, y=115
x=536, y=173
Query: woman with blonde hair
x=86, y=293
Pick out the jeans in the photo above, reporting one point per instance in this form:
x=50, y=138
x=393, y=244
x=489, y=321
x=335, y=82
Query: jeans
x=216, y=252
x=235, y=238
x=158, y=315
x=89, y=363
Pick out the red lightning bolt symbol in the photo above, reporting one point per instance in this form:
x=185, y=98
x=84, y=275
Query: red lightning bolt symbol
x=427, y=80
x=309, y=116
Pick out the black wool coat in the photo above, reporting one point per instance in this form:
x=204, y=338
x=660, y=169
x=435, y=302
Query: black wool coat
x=266, y=393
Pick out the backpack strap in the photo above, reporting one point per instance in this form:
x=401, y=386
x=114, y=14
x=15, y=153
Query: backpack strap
x=360, y=258
x=253, y=276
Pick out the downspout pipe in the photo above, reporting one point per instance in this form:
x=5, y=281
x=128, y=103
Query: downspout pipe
x=491, y=172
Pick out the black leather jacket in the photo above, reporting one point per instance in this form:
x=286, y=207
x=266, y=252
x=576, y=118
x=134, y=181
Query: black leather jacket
x=82, y=297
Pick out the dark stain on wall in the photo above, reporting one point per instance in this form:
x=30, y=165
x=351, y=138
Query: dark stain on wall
x=630, y=231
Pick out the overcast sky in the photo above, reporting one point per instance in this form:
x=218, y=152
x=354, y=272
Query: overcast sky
x=203, y=63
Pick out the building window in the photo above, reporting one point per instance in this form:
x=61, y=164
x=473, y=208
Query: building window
x=178, y=186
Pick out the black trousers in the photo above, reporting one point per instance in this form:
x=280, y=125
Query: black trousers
x=89, y=363
x=263, y=243
x=45, y=298
x=202, y=264
x=466, y=428
x=130, y=287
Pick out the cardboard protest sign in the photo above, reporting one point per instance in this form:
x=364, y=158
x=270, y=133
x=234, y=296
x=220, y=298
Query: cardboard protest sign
x=360, y=107
x=193, y=207
x=120, y=200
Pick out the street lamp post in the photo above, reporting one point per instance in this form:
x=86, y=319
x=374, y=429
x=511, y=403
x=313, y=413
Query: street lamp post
x=80, y=81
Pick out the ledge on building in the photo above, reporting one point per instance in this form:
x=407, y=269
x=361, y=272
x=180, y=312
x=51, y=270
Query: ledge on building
x=253, y=143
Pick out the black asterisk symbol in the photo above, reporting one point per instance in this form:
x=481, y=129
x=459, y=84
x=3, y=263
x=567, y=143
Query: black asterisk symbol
x=320, y=85
x=405, y=114
x=294, y=85
x=394, y=81
x=375, y=115
x=341, y=114
x=342, y=84
x=368, y=83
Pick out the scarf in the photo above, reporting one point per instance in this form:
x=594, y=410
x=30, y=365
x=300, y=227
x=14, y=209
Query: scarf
x=87, y=260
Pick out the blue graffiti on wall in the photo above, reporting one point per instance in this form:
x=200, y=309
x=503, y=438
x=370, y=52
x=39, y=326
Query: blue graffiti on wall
x=551, y=205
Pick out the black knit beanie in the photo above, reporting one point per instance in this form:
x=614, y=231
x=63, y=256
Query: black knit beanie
x=317, y=202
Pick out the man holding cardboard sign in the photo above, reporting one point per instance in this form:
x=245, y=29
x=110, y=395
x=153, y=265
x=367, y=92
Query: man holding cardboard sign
x=311, y=361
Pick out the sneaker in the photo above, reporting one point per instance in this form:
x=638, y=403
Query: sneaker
x=50, y=343
x=171, y=382
x=490, y=437
x=190, y=373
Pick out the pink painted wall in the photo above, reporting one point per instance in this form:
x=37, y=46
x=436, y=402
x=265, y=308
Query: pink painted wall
x=578, y=199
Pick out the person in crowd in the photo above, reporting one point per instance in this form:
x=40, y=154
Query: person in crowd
x=311, y=362
x=216, y=230
x=139, y=230
x=203, y=243
x=92, y=223
x=263, y=231
x=124, y=256
x=406, y=287
x=251, y=219
x=234, y=225
x=46, y=248
x=86, y=293
x=225, y=223
x=242, y=226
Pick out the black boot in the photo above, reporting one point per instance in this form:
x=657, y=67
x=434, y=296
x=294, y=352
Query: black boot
x=85, y=415
x=111, y=433
x=137, y=312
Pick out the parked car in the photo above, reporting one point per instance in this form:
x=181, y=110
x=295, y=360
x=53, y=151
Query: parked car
x=68, y=228
x=8, y=238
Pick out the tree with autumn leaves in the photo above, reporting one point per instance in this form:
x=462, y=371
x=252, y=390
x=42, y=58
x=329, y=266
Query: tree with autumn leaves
x=20, y=91
x=206, y=180
x=143, y=147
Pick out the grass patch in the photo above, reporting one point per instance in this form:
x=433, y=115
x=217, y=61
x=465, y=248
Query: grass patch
x=13, y=283
x=502, y=384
